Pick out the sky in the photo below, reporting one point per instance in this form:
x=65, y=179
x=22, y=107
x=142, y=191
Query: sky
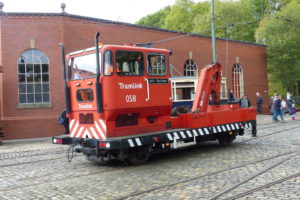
x=129, y=11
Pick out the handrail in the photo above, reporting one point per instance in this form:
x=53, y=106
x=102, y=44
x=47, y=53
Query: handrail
x=148, y=93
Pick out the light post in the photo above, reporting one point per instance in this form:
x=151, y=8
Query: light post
x=213, y=35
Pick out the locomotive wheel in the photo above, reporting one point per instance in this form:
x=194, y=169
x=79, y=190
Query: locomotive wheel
x=226, y=140
x=139, y=158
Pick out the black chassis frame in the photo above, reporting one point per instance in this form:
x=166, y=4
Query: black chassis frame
x=90, y=146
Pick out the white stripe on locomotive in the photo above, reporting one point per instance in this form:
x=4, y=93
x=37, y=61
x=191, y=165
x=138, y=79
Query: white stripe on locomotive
x=206, y=131
x=74, y=130
x=182, y=134
x=100, y=130
x=138, y=141
x=201, y=132
x=195, y=132
x=72, y=123
x=131, y=144
x=176, y=137
x=94, y=133
x=103, y=125
x=232, y=127
x=215, y=130
x=189, y=133
x=79, y=132
x=169, y=136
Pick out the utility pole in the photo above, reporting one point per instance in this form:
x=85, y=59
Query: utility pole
x=213, y=35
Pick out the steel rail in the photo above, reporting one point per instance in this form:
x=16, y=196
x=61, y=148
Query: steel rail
x=251, y=178
x=263, y=186
x=204, y=175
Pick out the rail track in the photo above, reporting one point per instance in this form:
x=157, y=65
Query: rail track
x=57, y=180
x=205, y=175
x=292, y=153
x=254, y=176
x=198, y=177
x=263, y=186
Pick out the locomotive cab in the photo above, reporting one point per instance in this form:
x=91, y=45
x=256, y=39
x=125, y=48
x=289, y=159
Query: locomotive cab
x=135, y=95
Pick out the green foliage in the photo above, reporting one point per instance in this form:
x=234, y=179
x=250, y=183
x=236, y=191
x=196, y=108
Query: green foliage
x=280, y=32
x=233, y=20
x=182, y=15
x=244, y=20
x=156, y=19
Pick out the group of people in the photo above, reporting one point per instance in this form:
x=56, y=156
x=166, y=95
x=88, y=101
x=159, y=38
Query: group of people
x=245, y=102
x=280, y=106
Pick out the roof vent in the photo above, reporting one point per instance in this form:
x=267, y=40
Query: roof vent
x=63, y=6
x=1, y=6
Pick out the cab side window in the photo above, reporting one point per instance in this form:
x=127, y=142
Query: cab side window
x=108, y=63
x=156, y=64
x=129, y=63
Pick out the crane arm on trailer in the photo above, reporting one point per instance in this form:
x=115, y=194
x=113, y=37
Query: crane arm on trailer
x=209, y=84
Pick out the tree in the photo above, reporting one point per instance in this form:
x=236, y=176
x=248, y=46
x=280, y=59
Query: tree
x=180, y=17
x=280, y=32
x=233, y=19
x=156, y=19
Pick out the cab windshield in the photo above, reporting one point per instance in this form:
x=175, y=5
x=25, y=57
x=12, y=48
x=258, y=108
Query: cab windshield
x=83, y=67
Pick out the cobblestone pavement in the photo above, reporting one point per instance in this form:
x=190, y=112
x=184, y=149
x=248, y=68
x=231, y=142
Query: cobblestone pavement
x=39, y=170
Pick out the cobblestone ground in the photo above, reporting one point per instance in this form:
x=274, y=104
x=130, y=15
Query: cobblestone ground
x=40, y=170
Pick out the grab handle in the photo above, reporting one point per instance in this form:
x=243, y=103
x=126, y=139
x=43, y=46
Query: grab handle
x=148, y=93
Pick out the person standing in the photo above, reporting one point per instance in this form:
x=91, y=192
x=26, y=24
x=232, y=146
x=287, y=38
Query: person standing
x=283, y=106
x=259, y=102
x=277, y=108
x=231, y=96
x=244, y=102
x=293, y=112
x=64, y=120
x=289, y=99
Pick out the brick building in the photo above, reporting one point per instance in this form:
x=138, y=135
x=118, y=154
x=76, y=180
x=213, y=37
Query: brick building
x=31, y=85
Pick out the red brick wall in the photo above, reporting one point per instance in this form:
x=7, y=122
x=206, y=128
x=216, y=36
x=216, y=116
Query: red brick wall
x=49, y=31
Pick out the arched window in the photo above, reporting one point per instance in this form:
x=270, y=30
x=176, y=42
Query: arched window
x=190, y=68
x=237, y=81
x=33, y=71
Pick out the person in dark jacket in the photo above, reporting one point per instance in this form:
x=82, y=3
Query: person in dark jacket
x=259, y=102
x=231, y=96
x=64, y=120
x=277, y=108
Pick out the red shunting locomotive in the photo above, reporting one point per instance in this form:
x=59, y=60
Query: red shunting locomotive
x=119, y=101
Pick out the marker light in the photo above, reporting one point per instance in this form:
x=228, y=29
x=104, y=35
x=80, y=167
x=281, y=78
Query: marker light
x=57, y=141
x=155, y=139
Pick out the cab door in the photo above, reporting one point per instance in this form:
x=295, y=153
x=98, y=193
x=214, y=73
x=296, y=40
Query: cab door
x=125, y=88
x=157, y=79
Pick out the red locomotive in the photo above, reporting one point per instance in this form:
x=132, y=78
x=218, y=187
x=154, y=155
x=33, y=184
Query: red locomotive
x=118, y=101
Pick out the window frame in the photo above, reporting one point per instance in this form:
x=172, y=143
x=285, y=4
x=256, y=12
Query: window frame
x=30, y=57
x=238, y=80
x=124, y=75
x=165, y=56
x=190, y=67
x=71, y=63
x=112, y=61
x=86, y=90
